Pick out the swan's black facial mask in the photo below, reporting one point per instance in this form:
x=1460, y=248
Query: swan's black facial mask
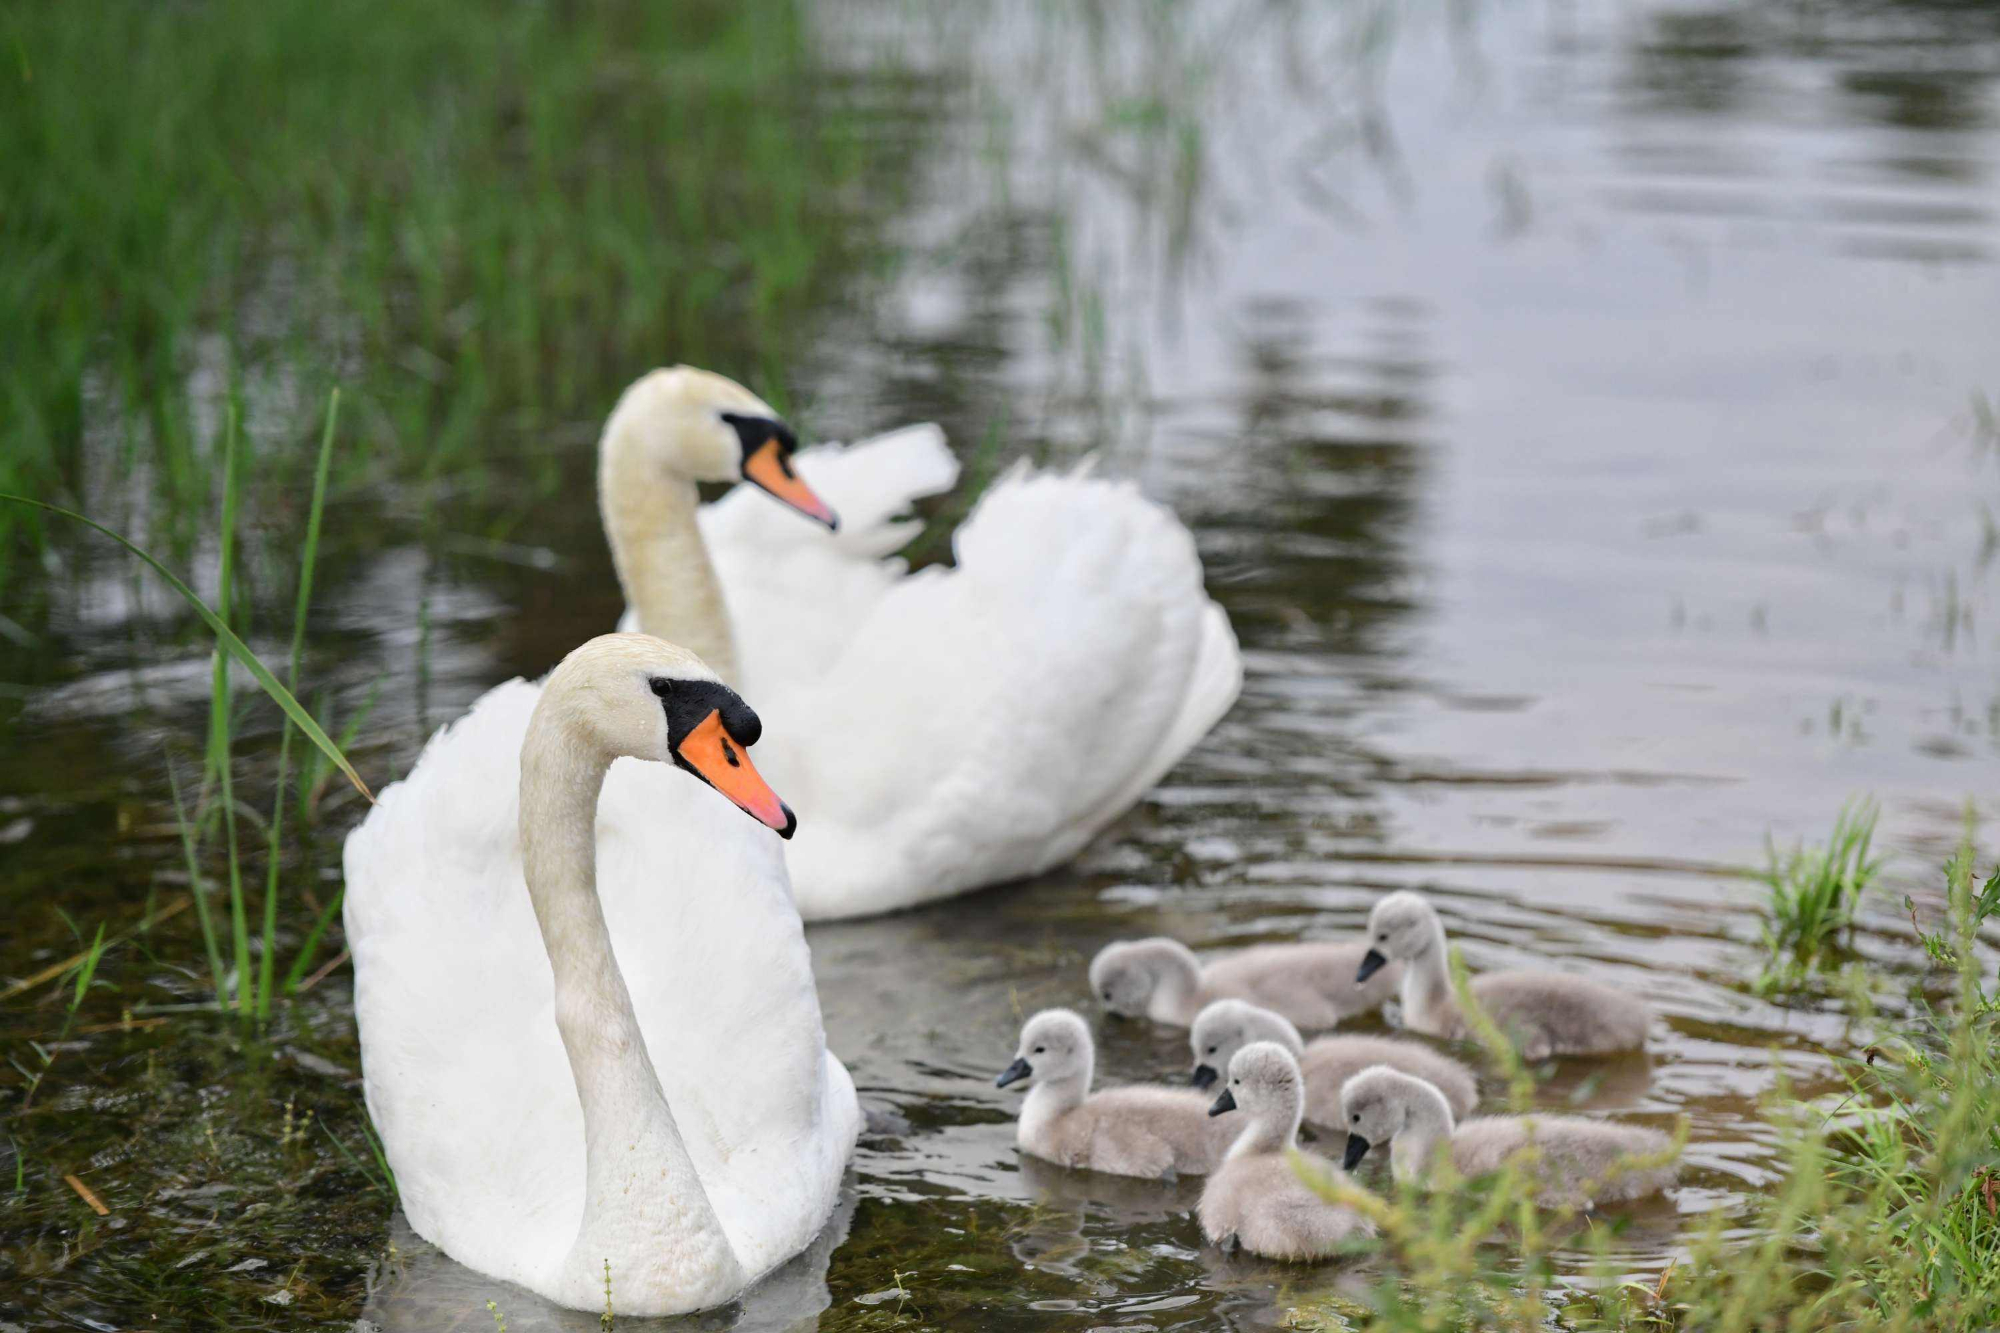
x=768, y=446
x=710, y=731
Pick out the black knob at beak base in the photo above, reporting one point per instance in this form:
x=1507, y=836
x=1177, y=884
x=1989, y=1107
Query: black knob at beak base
x=1371, y=963
x=1014, y=1073
x=1203, y=1076
x=1357, y=1148
x=1226, y=1102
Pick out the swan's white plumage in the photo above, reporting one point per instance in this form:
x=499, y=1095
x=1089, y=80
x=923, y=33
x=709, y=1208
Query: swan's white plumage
x=972, y=725
x=980, y=723
x=467, y=1079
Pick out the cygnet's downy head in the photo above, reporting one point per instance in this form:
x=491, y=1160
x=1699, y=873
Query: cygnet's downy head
x=1055, y=1048
x=697, y=424
x=1402, y=926
x=1124, y=975
x=638, y=696
x=1376, y=1105
x=1264, y=1082
x=1227, y=1026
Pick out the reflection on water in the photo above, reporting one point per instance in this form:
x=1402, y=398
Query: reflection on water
x=1568, y=402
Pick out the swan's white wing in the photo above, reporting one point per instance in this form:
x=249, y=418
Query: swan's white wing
x=984, y=722
x=466, y=1076
x=795, y=590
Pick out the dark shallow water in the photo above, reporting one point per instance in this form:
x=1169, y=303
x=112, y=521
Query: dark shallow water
x=1572, y=403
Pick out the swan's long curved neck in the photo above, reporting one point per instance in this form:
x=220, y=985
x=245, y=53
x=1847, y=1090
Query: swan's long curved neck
x=1427, y=1125
x=642, y=1197
x=1427, y=994
x=656, y=545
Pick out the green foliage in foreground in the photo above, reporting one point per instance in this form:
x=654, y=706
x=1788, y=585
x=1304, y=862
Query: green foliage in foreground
x=1887, y=1216
x=1815, y=891
x=481, y=217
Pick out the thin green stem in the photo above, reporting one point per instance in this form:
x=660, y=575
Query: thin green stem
x=267, y=960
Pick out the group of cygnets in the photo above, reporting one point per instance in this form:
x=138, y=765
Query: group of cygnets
x=1245, y=1014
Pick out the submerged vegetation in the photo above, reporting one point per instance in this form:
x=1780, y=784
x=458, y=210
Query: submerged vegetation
x=1815, y=893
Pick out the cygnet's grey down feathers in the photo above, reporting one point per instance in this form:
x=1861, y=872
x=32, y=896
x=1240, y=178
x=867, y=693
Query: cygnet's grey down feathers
x=1543, y=1013
x=1580, y=1162
x=1134, y=1131
x=1226, y=1026
x=1574, y=1161
x=1255, y=1199
x=1258, y=1202
x=1313, y=983
x=1552, y=1013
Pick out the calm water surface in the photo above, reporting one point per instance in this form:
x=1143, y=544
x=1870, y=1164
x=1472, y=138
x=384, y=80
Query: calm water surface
x=1573, y=403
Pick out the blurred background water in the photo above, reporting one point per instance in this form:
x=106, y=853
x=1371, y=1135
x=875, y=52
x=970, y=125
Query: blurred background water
x=1585, y=412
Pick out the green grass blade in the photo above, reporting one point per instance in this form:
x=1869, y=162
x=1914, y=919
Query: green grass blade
x=267, y=960
x=237, y=648
x=219, y=714
x=311, y=944
x=87, y=969
x=194, y=880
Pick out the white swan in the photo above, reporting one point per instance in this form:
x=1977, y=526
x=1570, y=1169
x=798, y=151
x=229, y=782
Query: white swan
x=549, y=1104
x=969, y=726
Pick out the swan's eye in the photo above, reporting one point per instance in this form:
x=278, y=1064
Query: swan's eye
x=1383, y=938
x=1235, y=1082
x=1107, y=995
x=1040, y=1049
x=661, y=686
x=1211, y=1050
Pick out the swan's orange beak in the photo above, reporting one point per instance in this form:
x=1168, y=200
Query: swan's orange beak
x=770, y=469
x=724, y=764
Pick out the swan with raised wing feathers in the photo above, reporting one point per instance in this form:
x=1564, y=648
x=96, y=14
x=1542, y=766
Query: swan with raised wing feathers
x=971, y=725
x=552, y=1104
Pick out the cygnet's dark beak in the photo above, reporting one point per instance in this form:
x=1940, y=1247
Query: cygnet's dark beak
x=1225, y=1102
x=1014, y=1073
x=1357, y=1148
x=1371, y=963
x=1203, y=1076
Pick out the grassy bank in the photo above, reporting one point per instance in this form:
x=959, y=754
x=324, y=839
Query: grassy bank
x=479, y=217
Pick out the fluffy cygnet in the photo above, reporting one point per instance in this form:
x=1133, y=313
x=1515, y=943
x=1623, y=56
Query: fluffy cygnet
x=1226, y=1026
x=1135, y=1131
x=1576, y=1162
x=1255, y=1199
x=1313, y=984
x=1544, y=1013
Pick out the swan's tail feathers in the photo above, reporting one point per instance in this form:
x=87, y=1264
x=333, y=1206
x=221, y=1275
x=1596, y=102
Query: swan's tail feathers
x=1047, y=681
x=1212, y=689
x=872, y=484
